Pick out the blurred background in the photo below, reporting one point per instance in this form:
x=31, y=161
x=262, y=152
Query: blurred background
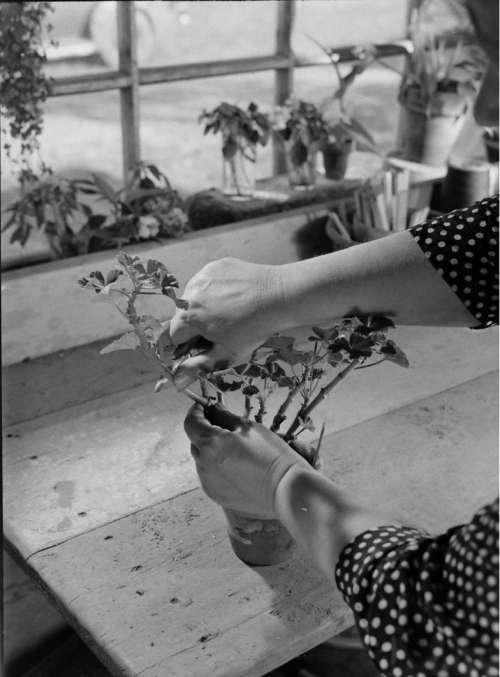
x=82, y=133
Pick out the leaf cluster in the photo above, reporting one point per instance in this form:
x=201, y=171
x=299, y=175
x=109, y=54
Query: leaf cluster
x=342, y=126
x=83, y=216
x=447, y=62
x=302, y=372
x=301, y=125
x=23, y=84
x=240, y=128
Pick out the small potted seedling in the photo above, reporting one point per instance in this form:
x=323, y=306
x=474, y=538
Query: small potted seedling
x=242, y=130
x=344, y=130
x=304, y=375
x=300, y=127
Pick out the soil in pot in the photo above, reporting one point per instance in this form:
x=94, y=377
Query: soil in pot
x=263, y=542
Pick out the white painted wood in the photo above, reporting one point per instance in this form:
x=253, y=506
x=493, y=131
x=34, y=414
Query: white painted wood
x=123, y=452
x=159, y=591
x=44, y=310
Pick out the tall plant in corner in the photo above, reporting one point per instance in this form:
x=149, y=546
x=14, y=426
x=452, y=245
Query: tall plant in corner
x=24, y=86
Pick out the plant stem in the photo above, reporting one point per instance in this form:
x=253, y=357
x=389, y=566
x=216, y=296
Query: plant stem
x=322, y=395
x=150, y=353
x=281, y=413
x=259, y=416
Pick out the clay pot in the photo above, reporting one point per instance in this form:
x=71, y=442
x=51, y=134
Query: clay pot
x=262, y=542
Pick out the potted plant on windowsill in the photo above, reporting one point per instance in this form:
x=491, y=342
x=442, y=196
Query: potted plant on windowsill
x=242, y=130
x=299, y=126
x=148, y=208
x=440, y=81
x=304, y=375
x=344, y=130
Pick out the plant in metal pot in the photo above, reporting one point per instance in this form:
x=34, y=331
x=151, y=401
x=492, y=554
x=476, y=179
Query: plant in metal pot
x=301, y=128
x=280, y=385
x=242, y=130
x=344, y=129
x=442, y=77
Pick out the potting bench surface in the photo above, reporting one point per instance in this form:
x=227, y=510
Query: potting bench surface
x=102, y=505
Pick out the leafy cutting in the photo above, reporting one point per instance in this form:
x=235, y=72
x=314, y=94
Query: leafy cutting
x=306, y=374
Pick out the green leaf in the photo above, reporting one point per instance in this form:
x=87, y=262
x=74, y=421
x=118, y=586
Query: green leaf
x=113, y=276
x=360, y=346
x=222, y=385
x=278, y=342
x=97, y=277
x=250, y=390
x=292, y=357
x=104, y=188
x=307, y=423
x=150, y=322
x=395, y=354
x=128, y=341
x=159, y=384
x=180, y=303
x=372, y=324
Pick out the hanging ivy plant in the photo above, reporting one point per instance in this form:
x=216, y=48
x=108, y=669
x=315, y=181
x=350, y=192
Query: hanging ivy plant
x=23, y=85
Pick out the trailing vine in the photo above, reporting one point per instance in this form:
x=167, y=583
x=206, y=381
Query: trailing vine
x=24, y=86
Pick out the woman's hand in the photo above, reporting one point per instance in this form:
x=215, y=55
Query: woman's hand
x=240, y=463
x=233, y=304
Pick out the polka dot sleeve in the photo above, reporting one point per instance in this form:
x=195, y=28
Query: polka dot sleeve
x=463, y=248
x=426, y=607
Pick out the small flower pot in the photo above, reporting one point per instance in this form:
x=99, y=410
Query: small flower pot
x=262, y=542
x=238, y=173
x=431, y=130
x=336, y=158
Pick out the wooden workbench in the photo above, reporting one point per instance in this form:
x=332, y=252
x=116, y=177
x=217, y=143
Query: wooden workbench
x=102, y=506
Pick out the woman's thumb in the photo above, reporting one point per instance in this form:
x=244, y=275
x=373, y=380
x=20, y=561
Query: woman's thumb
x=212, y=360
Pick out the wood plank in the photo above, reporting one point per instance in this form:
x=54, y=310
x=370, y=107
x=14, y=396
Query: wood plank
x=129, y=96
x=59, y=465
x=72, y=377
x=44, y=310
x=159, y=591
x=283, y=78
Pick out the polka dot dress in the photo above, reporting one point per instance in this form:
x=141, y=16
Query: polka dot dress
x=463, y=247
x=428, y=607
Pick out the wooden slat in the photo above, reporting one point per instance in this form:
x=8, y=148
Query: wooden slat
x=159, y=591
x=129, y=96
x=82, y=84
x=283, y=82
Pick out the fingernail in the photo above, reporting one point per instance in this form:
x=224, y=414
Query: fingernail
x=181, y=381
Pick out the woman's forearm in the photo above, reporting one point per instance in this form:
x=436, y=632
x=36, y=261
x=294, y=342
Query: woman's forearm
x=389, y=276
x=322, y=517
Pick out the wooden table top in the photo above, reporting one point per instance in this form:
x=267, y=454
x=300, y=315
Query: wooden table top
x=102, y=505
